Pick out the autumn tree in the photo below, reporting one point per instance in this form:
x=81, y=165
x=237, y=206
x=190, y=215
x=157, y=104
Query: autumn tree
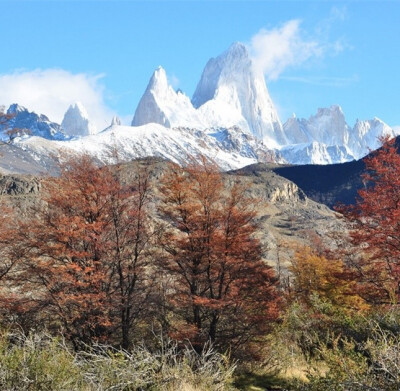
x=85, y=242
x=374, y=223
x=222, y=290
x=130, y=243
x=316, y=274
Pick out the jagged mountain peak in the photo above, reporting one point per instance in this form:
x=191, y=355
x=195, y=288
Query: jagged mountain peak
x=159, y=79
x=76, y=121
x=231, y=92
x=238, y=48
x=16, y=108
x=21, y=111
x=327, y=126
x=332, y=110
x=224, y=68
x=333, y=114
x=366, y=135
x=163, y=105
x=37, y=124
x=116, y=121
x=235, y=59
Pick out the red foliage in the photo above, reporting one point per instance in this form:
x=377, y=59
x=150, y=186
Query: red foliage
x=86, y=242
x=375, y=226
x=222, y=287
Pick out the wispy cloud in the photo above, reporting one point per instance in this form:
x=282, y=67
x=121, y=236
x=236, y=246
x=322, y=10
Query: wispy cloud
x=324, y=80
x=275, y=50
x=51, y=91
x=323, y=31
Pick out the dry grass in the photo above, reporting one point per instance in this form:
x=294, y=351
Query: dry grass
x=40, y=362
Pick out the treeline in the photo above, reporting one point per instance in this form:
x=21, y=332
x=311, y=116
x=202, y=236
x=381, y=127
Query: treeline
x=106, y=261
x=91, y=261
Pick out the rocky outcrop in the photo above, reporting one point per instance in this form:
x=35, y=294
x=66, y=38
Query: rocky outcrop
x=13, y=185
x=268, y=186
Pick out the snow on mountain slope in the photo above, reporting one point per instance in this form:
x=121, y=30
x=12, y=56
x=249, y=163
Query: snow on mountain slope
x=365, y=136
x=315, y=153
x=231, y=118
x=76, y=121
x=231, y=92
x=328, y=126
x=161, y=104
x=327, y=138
x=37, y=124
x=229, y=148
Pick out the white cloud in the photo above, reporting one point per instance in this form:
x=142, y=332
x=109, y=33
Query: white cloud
x=273, y=51
x=51, y=91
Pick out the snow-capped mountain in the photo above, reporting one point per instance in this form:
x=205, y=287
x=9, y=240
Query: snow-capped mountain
x=327, y=138
x=328, y=127
x=315, y=153
x=365, y=135
x=229, y=148
x=230, y=93
x=231, y=119
x=161, y=104
x=76, y=121
x=36, y=124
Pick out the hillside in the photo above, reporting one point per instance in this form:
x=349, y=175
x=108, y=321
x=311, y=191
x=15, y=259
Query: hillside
x=285, y=214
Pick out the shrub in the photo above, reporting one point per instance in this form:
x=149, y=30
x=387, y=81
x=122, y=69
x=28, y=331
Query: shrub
x=40, y=362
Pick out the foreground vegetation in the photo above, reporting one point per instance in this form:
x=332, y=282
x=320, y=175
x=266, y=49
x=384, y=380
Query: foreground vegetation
x=100, y=265
x=42, y=362
x=364, y=356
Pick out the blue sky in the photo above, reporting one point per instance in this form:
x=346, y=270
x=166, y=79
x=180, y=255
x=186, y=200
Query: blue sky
x=103, y=53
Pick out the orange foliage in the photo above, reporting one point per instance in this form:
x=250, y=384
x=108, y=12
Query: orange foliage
x=222, y=287
x=85, y=242
x=328, y=278
x=374, y=223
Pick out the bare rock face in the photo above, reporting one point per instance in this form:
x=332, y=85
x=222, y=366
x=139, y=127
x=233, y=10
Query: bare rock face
x=268, y=186
x=13, y=185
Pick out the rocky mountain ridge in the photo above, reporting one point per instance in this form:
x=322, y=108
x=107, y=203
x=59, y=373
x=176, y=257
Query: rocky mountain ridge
x=231, y=119
x=326, y=138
